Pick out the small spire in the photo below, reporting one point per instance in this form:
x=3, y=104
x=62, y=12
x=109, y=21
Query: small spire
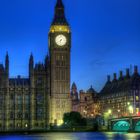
x=7, y=61
x=31, y=57
x=47, y=61
x=73, y=87
x=7, y=58
x=31, y=61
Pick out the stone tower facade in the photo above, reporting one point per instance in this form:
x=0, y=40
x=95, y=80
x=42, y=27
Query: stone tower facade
x=59, y=49
x=35, y=102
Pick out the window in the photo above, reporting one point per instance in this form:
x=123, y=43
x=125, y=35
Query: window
x=12, y=97
x=18, y=125
x=26, y=116
x=39, y=81
x=26, y=125
x=11, y=115
x=36, y=124
x=137, y=110
x=26, y=99
x=40, y=98
x=1, y=101
x=137, y=98
x=27, y=102
x=19, y=115
x=11, y=125
x=19, y=99
x=39, y=113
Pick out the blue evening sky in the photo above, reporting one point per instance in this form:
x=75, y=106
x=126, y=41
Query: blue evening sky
x=105, y=36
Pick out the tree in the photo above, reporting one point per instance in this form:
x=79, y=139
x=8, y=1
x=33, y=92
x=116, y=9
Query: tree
x=74, y=119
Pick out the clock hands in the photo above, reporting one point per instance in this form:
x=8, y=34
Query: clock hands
x=60, y=40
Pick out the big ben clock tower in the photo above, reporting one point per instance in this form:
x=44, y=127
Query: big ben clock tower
x=59, y=49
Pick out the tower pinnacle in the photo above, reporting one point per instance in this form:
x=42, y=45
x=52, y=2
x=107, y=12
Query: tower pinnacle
x=59, y=3
x=59, y=17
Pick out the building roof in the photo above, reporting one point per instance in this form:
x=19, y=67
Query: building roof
x=91, y=90
x=19, y=81
x=124, y=84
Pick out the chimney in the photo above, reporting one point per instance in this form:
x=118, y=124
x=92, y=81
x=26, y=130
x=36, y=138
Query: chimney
x=127, y=73
x=108, y=78
x=121, y=74
x=115, y=76
x=135, y=69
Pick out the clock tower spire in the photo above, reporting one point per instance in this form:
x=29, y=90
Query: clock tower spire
x=59, y=17
x=59, y=49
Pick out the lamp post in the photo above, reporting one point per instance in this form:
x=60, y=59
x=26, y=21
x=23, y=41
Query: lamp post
x=107, y=116
x=118, y=113
x=130, y=108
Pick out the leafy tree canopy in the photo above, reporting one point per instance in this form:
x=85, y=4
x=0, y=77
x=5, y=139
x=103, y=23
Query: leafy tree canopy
x=74, y=119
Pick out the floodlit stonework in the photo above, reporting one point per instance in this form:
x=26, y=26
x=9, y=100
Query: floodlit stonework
x=36, y=102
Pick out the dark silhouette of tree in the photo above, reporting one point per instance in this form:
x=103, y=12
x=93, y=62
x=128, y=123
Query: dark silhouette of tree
x=74, y=119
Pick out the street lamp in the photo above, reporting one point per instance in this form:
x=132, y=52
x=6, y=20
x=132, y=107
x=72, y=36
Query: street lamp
x=130, y=109
x=118, y=112
x=109, y=111
x=128, y=103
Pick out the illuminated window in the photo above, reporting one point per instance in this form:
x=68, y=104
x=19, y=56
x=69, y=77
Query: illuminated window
x=18, y=125
x=137, y=98
x=137, y=110
x=26, y=125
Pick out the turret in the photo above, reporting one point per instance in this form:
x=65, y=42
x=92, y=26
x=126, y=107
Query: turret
x=46, y=61
x=31, y=65
x=7, y=64
x=115, y=77
x=74, y=88
x=74, y=93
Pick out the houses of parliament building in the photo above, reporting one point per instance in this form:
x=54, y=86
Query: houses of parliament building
x=42, y=99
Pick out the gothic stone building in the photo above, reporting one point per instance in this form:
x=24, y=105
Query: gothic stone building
x=42, y=99
x=121, y=95
x=85, y=102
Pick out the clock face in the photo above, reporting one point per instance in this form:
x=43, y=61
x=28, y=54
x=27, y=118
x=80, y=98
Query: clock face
x=60, y=40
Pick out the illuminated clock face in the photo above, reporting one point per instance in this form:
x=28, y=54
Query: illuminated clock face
x=60, y=40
